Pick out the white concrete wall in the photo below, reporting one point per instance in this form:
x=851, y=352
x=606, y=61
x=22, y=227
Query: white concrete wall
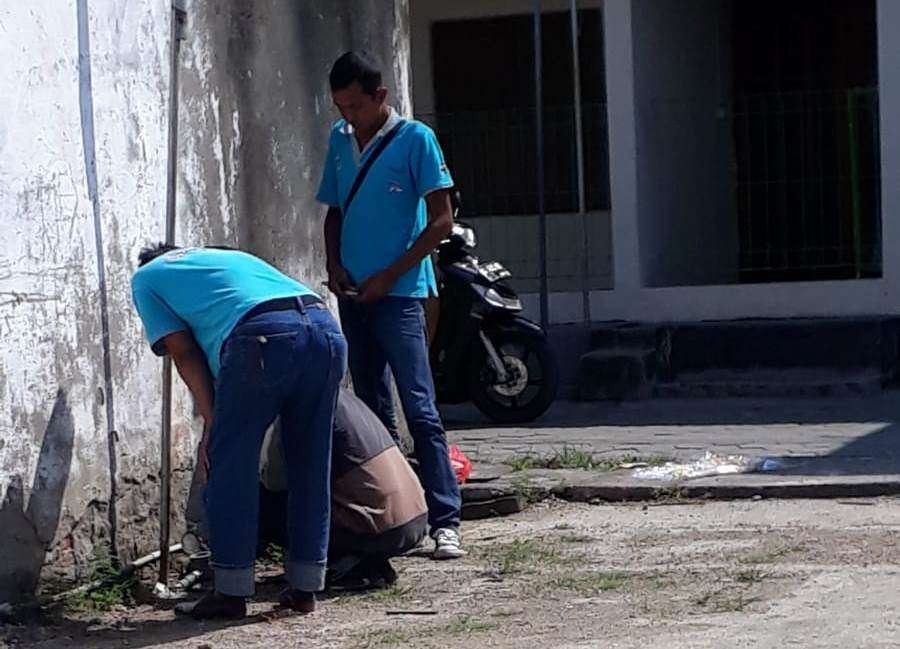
x=255, y=117
x=54, y=463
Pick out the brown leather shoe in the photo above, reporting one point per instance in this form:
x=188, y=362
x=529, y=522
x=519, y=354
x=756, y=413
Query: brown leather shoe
x=299, y=600
x=214, y=605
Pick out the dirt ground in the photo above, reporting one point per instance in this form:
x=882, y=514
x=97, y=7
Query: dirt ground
x=667, y=575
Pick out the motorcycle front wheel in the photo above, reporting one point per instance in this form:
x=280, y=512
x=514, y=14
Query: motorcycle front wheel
x=531, y=384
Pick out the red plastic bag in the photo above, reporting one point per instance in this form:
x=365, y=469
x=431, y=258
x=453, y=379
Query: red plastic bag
x=462, y=466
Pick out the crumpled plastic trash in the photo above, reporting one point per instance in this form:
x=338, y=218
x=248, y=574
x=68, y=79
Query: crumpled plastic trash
x=767, y=464
x=711, y=464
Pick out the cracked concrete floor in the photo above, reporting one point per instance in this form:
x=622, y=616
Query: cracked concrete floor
x=676, y=575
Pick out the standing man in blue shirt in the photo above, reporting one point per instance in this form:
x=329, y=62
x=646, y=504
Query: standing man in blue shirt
x=251, y=344
x=379, y=234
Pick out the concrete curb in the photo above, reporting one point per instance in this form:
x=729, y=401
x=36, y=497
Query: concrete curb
x=619, y=486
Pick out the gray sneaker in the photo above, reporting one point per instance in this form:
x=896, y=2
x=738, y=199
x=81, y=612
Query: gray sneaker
x=447, y=544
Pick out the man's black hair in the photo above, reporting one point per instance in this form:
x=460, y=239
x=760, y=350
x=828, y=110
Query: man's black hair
x=150, y=253
x=355, y=66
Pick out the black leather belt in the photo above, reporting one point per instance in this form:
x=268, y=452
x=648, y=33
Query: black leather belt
x=299, y=303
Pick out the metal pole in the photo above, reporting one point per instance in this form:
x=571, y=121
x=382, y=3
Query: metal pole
x=539, y=123
x=579, y=167
x=178, y=19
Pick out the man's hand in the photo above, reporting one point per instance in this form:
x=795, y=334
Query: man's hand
x=376, y=287
x=339, y=280
x=194, y=370
x=203, y=450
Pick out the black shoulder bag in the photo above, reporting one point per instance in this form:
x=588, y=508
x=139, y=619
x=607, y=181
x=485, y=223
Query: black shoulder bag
x=377, y=151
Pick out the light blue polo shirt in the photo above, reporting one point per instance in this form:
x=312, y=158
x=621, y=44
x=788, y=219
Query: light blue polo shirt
x=205, y=291
x=388, y=213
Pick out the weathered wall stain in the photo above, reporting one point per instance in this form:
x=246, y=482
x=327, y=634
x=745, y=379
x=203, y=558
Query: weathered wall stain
x=254, y=120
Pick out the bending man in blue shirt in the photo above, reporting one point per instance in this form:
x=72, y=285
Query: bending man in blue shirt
x=378, y=239
x=251, y=344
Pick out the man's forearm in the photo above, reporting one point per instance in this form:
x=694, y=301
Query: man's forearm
x=194, y=371
x=430, y=239
x=440, y=223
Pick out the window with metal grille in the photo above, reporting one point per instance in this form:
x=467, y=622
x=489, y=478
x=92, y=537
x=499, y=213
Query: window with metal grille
x=807, y=139
x=485, y=111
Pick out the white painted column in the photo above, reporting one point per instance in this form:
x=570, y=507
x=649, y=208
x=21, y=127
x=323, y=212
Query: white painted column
x=622, y=145
x=889, y=106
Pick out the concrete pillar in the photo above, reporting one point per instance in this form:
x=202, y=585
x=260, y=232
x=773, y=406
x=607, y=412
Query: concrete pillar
x=622, y=145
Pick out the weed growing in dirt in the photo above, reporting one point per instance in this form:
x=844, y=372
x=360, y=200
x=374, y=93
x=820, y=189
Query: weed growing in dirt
x=387, y=595
x=107, y=596
x=511, y=558
x=386, y=637
x=523, y=462
x=751, y=576
x=574, y=458
x=721, y=601
x=591, y=583
x=525, y=488
x=466, y=624
x=769, y=556
x=461, y=625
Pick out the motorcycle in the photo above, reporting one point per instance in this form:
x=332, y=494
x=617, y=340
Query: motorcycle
x=483, y=350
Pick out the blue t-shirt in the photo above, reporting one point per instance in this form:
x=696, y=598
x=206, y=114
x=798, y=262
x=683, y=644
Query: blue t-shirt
x=205, y=291
x=388, y=213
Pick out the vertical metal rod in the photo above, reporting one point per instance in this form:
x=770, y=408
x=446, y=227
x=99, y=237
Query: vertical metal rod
x=178, y=17
x=579, y=167
x=539, y=124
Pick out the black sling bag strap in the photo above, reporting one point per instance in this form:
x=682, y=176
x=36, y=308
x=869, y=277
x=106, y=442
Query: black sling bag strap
x=377, y=151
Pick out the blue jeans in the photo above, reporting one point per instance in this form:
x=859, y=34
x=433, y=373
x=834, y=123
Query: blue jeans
x=287, y=363
x=389, y=337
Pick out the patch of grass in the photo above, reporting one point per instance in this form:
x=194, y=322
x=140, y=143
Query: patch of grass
x=466, y=624
x=591, y=583
x=523, y=462
x=461, y=625
x=525, y=488
x=723, y=602
x=731, y=604
x=661, y=583
x=769, y=556
x=751, y=576
x=386, y=637
x=613, y=463
x=575, y=458
x=393, y=593
x=108, y=595
x=511, y=558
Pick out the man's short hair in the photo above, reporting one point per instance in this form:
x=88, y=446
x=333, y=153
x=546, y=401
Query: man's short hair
x=148, y=254
x=355, y=66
